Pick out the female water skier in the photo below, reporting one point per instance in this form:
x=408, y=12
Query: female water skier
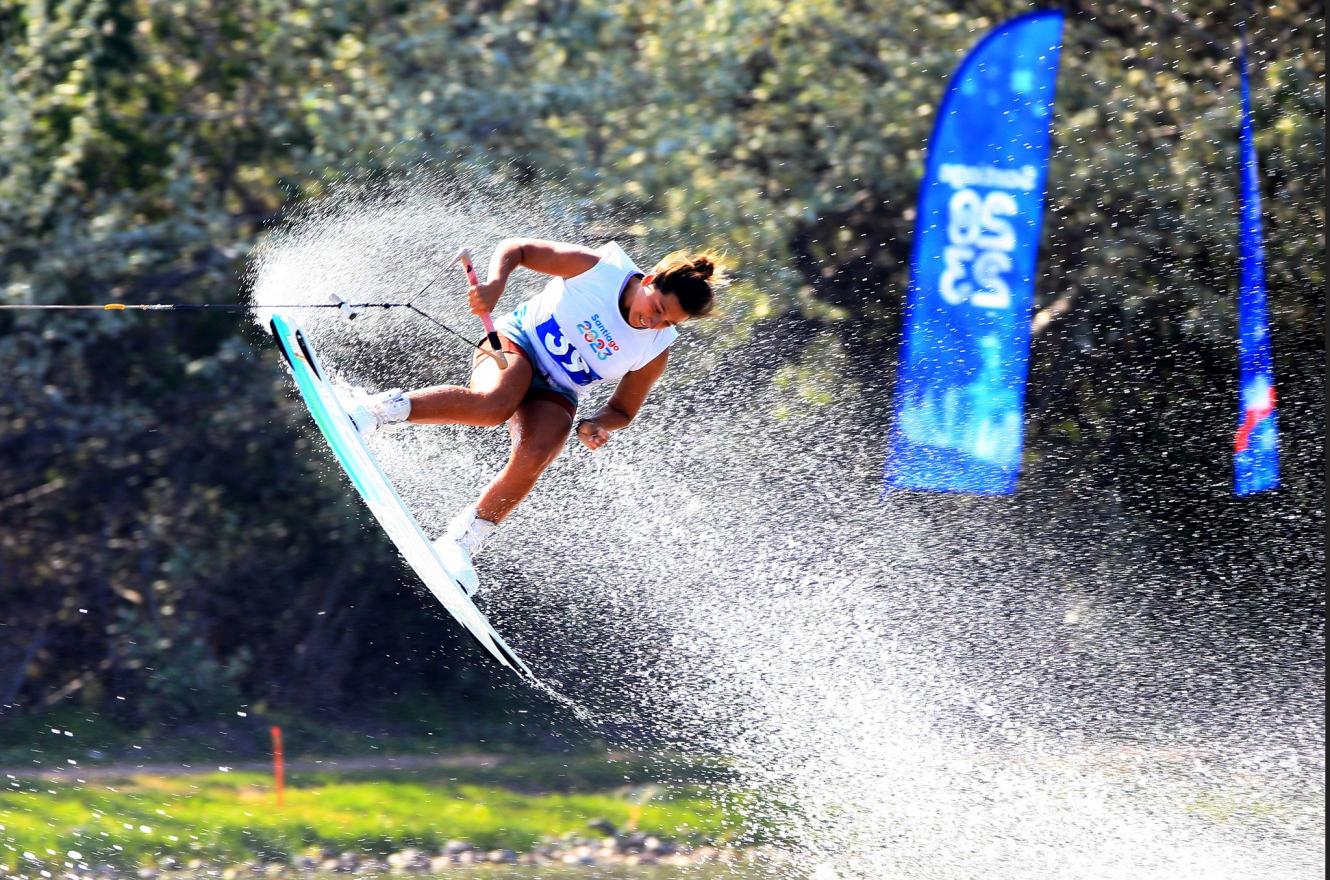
x=600, y=318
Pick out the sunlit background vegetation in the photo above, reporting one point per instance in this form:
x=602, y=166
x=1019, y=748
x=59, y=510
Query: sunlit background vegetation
x=163, y=524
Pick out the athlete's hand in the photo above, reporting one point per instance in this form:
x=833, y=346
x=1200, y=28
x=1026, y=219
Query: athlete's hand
x=485, y=296
x=592, y=435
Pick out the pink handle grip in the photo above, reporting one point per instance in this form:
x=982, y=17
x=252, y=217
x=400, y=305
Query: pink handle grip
x=485, y=318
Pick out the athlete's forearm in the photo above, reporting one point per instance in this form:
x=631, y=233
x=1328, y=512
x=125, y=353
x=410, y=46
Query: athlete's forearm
x=507, y=257
x=611, y=419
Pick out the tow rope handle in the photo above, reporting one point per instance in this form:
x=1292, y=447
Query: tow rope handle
x=464, y=257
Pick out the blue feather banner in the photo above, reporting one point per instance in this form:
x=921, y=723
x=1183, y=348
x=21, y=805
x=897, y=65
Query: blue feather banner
x=960, y=389
x=1256, y=441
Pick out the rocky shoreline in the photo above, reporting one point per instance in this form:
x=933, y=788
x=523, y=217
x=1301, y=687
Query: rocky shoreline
x=608, y=849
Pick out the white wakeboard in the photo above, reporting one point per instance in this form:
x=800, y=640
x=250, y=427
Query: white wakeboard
x=378, y=492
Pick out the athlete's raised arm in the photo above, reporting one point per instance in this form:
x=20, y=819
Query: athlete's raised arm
x=547, y=257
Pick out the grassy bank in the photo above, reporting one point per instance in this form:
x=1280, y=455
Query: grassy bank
x=229, y=817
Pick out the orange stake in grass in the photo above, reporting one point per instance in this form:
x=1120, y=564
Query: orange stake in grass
x=278, y=767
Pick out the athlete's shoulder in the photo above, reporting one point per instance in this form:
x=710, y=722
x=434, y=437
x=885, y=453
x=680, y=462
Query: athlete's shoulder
x=659, y=349
x=612, y=253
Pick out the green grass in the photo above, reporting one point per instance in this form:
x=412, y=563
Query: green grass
x=231, y=817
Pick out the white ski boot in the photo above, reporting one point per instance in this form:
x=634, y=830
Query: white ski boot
x=465, y=537
x=370, y=412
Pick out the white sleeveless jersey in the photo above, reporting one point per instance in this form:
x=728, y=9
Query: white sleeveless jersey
x=580, y=337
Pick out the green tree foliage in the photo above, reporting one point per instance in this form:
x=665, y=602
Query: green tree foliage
x=144, y=145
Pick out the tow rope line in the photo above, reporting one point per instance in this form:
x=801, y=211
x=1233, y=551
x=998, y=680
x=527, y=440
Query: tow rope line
x=346, y=307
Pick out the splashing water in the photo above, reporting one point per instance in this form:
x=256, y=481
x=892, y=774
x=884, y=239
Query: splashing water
x=923, y=688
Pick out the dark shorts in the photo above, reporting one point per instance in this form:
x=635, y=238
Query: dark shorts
x=510, y=328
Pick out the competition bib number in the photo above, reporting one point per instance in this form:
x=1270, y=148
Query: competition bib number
x=563, y=353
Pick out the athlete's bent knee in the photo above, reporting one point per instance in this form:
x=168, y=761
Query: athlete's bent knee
x=494, y=410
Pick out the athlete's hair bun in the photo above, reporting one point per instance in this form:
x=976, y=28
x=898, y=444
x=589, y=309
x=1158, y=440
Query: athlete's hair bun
x=693, y=278
x=704, y=268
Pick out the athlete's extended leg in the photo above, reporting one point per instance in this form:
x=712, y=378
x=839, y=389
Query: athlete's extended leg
x=539, y=430
x=491, y=400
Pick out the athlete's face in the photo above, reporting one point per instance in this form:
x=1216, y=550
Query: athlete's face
x=653, y=310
